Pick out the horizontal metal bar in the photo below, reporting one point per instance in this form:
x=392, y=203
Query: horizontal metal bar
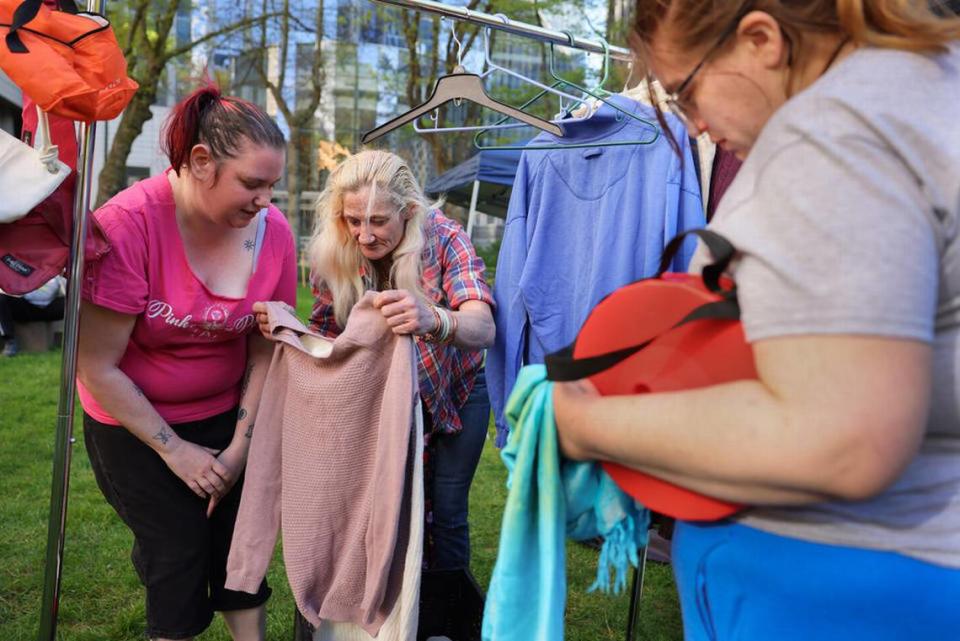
x=510, y=26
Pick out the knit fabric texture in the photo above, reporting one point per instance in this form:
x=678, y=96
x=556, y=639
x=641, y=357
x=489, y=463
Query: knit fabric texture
x=329, y=462
x=549, y=499
x=401, y=623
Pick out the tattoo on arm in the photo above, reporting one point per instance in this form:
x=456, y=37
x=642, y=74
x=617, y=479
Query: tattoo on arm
x=138, y=390
x=249, y=433
x=242, y=414
x=163, y=436
x=246, y=381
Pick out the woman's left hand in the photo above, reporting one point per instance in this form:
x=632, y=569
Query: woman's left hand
x=405, y=313
x=571, y=403
x=234, y=458
x=263, y=320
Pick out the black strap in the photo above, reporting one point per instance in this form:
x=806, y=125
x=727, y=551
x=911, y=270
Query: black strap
x=26, y=12
x=562, y=366
x=720, y=248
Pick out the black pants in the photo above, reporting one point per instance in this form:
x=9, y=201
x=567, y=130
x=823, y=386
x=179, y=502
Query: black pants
x=179, y=554
x=14, y=309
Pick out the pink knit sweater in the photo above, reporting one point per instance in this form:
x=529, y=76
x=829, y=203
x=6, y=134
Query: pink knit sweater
x=329, y=460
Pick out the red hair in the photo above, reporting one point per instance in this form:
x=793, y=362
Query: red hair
x=221, y=122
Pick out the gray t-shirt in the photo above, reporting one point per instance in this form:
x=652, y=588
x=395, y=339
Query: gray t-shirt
x=846, y=213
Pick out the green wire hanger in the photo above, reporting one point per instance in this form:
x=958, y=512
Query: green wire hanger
x=595, y=94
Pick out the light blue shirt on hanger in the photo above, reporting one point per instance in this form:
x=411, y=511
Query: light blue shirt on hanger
x=581, y=223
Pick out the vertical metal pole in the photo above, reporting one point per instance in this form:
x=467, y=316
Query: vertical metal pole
x=633, y=615
x=472, y=216
x=68, y=373
x=56, y=528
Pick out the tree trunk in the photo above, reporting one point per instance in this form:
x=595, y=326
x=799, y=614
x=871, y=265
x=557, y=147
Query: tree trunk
x=113, y=176
x=441, y=153
x=293, y=182
x=611, y=17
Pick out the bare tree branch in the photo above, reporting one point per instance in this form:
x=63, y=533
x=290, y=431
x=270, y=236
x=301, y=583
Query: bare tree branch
x=236, y=26
x=304, y=26
x=317, y=73
x=586, y=20
x=435, y=54
x=145, y=34
x=263, y=31
x=164, y=23
x=284, y=43
x=138, y=17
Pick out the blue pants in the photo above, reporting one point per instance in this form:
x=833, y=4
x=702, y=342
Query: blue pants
x=737, y=582
x=456, y=461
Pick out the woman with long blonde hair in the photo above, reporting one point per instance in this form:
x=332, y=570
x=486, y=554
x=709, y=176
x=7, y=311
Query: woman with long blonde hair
x=846, y=218
x=376, y=231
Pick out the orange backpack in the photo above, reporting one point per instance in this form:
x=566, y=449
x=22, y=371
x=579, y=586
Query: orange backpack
x=69, y=63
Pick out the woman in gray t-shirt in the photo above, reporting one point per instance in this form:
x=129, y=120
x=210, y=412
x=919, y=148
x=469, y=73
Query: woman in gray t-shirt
x=846, y=215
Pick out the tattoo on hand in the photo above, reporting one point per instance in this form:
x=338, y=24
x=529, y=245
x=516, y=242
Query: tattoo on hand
x=163, y=436
x=249, y=433
x=242, y=415
x=248, y=245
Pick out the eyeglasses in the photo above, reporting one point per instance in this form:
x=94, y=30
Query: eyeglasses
x=679, y=101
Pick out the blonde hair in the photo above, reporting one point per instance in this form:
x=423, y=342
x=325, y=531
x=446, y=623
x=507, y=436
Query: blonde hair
x=333, y=253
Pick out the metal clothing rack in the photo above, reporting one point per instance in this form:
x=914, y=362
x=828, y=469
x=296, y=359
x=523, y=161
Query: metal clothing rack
x=56, y=528
x=569, y=40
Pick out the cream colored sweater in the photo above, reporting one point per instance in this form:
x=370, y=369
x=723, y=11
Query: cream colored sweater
x=329, y=461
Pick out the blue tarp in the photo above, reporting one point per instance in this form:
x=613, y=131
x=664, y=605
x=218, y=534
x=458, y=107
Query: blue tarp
x=495, y=169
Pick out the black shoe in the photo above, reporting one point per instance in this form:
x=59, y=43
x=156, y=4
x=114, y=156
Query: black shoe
x=11, y=348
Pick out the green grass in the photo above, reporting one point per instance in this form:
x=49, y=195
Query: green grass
x=101, y=596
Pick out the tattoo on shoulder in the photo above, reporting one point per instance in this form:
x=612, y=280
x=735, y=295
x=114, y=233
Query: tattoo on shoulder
x=163, y=436
x=242, y=414
x=248, y=245
x=249, y=433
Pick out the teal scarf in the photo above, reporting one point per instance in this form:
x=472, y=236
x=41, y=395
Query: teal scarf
x=551, y=498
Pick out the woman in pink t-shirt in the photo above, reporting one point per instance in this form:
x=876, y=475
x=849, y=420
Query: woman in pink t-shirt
x=167, y=354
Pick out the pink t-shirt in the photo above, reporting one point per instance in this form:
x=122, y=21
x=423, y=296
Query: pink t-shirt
x=188, y=348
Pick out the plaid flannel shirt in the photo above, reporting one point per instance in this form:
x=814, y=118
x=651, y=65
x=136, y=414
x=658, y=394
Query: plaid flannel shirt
x=452, y=275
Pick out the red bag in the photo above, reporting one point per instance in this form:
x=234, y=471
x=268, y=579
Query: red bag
x=671, y=332
x=36, y=247
x=69, y=63
x=63, y=132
